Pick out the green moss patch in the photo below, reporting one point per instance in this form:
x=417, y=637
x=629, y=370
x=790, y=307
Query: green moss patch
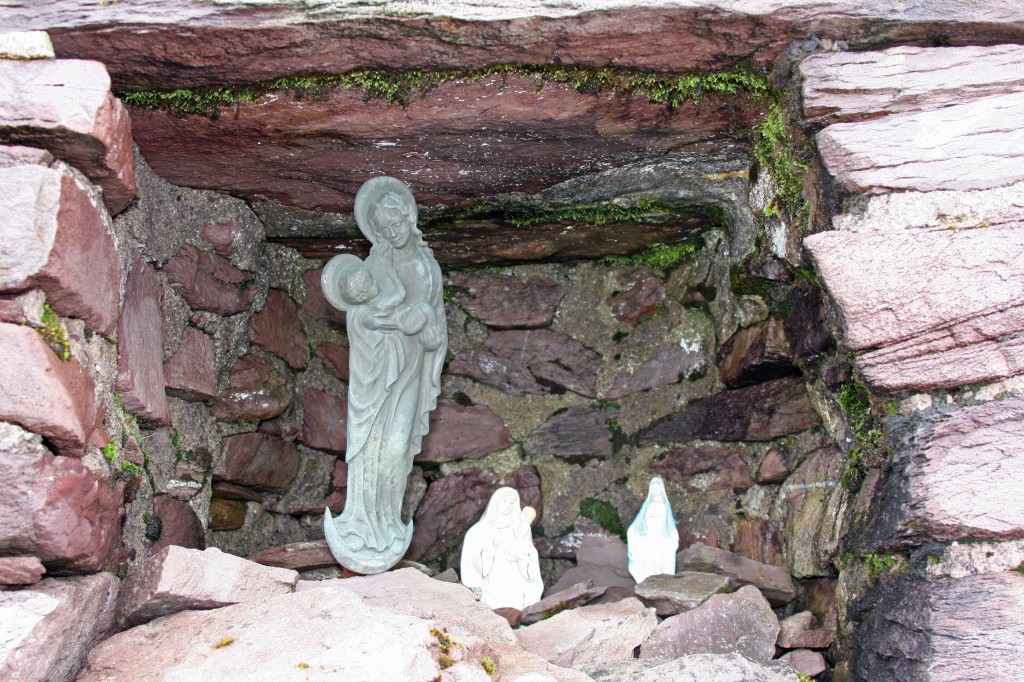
x=604, y=514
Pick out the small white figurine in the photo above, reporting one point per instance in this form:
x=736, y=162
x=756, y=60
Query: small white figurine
x=498, y=556
x=652, y=539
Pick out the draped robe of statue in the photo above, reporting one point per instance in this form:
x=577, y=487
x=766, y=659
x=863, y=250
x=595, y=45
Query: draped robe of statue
x=397, y=344
x=653, y=539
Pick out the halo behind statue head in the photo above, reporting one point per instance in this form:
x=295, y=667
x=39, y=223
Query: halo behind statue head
x=334, y=274
x=372, y=193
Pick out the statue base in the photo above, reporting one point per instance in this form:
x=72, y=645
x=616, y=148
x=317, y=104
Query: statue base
x=365, y=561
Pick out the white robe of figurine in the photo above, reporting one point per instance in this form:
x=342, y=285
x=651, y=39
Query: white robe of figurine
x=652, y=539
x=498, y=556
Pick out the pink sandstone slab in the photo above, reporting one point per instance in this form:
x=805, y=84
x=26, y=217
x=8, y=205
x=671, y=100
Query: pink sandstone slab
x=209, y=282
x=20, y=570
x=324, y=421
x=190, y=374
x=278, y=330
x=257, y=460
x=256, y=392
x=462, y=432
x=140, y=356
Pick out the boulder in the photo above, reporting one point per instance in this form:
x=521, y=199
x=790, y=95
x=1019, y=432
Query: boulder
x=774, y=582
x=799, y=632
x=140, y=347
x=704, y=468
x=43, y=393
x=66, y=107
x=324, y=421
x=761, y=412
x=54, y=508
x=462, y=432
x=569, y=598
x=278, y=330
x=577, y=434
x=190, y=374
x=178, y=525
x=20, y=570
x=256, y=392
x=57, y=240
x=209, y=282
x=179, y=579
x=50, y=626
x=741, y=623
x=958, y=325
x=684, y=591
x=504, y=302
x=591, y=637
x=810, y=663
x=257, y=460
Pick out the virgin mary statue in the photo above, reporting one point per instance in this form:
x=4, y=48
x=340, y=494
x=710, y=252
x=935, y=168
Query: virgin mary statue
x=397, y=343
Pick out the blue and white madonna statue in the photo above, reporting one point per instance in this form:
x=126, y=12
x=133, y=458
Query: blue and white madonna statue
x=652, y=539
x=397, y=342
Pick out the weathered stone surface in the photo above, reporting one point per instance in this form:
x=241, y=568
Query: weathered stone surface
x=531, y=362
x=774, y=582
x=565, y=546
x=256, y=392
x=961, y=147
x=324, y=421
x=504, y=302
x=947, y=629
x=815, y=502
x=454, y=503
x=684, y=591
x=308, y=489
x=226, y=514
x=799, y=632
x=230, y=491
x=601, y=561
x=700, y=668
x=179, y=525
x=578, y=434
x=190, y=374
x=458, y=432
x=43, y=393
x=257, y=460
x=20, y=570
x=755, y=354
x=298, y=556
x=316, y=304
x=774, y=467
x=852, y=86
x=667, y=363
x=763, y=411
x=50, y=627
x=140, y=347
x=54, y=508
x=335, y=359
x=180, y=579
x=704, y=468
x=16, y=155
x=66, y=107
x=741, y=622
x=591, y=637
x=26, y=45
x=569, y=598
x=758, y=539
x=209, y=282
x=57, y=240
x=956, y=479
x=221, y=236
x=959, y=325
x=810, y=663
x=640, y=300
x=278, y=330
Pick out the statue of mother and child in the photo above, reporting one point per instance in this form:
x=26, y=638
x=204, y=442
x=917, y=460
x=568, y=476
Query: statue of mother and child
x=397, y=343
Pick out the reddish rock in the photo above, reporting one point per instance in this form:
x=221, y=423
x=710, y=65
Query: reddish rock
x=531, y=362
x=799, y=632
x=221, y=236
x=43, y=393
x=640, y=300
x=755, y=354
x=774, y=582
x=140, y=347
x=20, y=570
x=54, y=508
x=230, y=491
x=14, y=155
x=579, y=433
x=853, y=86
x=815, y=502
x=298, y=556
x=458, y=432
x=51, y=626
x=335, y=359
x=179, y=579
x=667, y=363
x=505, y=302
x=758, y=539
x=308, y=489
x=956, y=325
x=57, y=240
x=741, y=622
x=760, y=412
x=773, y=468
x=66, y=107
x=339, y=476
x=704, y=468
x=324, y=421
x=190, y=374
x=563, y=600
x=601, y=561
x=810, y=663
x=316, y=304
x=278, y=330
x=256, y=392
x=565, y=546
x=226, y=514
x=511, y=614
x=179, y=525
x=257, y=460
x=684, y=591
x=209, y=282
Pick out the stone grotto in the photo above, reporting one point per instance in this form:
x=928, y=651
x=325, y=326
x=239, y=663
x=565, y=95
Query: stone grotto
x=770, y=252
